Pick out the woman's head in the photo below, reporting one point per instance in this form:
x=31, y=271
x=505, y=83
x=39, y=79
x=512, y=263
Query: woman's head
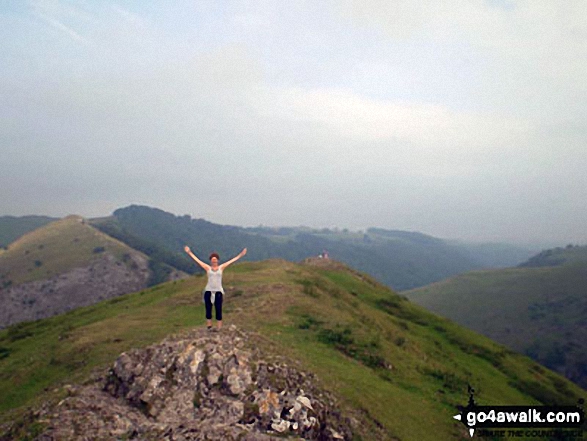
x=214, y=257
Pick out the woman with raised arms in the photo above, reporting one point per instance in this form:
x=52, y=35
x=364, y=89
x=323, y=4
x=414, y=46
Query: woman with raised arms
x=213, y=292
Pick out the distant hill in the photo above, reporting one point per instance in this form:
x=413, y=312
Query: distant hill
x=494, y=255
x=400, y=370
x=400, y=259
x=12, y=227
x=538, y=308
x=63, y=265
x=557, y=257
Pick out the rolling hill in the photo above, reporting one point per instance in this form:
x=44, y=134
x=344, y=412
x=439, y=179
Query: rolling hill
x=538, y=308
x=398, y=368
x=65, y=264
x=400, y=259
x=12, y=227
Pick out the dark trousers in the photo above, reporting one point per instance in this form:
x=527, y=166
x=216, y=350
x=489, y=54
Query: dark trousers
x=217, y=305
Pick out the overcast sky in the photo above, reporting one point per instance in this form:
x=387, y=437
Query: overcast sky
x=459, y=119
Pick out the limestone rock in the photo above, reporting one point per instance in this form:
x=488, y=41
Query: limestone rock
x=199, y=385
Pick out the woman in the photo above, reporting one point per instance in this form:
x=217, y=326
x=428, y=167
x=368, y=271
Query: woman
x=214, y=292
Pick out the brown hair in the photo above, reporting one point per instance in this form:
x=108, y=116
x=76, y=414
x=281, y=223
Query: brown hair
x=214, y=255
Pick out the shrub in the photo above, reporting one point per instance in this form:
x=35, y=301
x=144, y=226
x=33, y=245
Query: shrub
x=449, y=380
x=4, y=352
x=309, y=288
x=403, y=325
x=19, y=331
x=343, y=340
x=337, y=338
x=308, y=322
x=393, y=306
x=541, y=392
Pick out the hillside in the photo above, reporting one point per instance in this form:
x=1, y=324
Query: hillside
x=396, y=368
x=538, y=308
x=494, y=255
x=13, y=227
x=64, y=265
x=557, y=257
x=400, y=259
x=216, y=386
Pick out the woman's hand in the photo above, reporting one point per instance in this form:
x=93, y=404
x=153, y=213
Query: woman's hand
x=186, y=249
x=234, y=259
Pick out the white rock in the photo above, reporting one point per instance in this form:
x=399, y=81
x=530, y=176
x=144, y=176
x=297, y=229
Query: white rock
x=282, y=426
x=312, y=421
x=335, y=434
x=199, y=356
x=305, y=401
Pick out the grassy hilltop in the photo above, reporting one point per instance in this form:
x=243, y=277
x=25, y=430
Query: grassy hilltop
x=538, y=308
x=67, y=264
x=54, y=249
x=402, y=367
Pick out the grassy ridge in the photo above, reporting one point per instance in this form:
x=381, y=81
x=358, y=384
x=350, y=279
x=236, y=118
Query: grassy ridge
x=54, y=249
x=538, y=309
x=404, y=367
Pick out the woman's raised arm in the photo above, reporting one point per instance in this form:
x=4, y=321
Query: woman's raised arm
x=205, y=266
x=234, y=259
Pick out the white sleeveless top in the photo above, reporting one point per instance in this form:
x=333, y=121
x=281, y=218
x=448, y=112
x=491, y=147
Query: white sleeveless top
x=214, y=281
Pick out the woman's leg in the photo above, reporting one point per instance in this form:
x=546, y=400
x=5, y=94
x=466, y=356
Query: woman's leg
x=218, y=307
x=208, y=303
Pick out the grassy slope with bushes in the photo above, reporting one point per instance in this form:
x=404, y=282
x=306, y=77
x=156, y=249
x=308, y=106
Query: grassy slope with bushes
x=403, y=367
x=54, y=249
x=538, y=308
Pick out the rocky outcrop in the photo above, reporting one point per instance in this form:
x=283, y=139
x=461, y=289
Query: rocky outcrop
x=105, y=277
x=197, y=386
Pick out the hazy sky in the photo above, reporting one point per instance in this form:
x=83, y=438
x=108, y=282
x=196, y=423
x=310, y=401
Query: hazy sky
x=460, y=119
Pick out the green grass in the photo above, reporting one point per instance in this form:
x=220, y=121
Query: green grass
x=404, y=369
x=54, y=249
x=539, y=311
x=67, y=347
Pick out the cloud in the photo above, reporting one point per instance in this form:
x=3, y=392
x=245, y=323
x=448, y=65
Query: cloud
x=59, y=25
x=540, y=39
x=355, y=116
x=455, y=118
